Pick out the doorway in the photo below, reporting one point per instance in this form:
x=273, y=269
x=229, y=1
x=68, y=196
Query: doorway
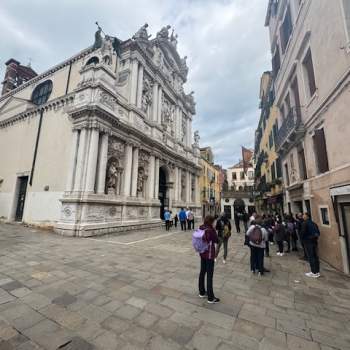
x=22, y=191
x=345, y=213
x=162, y=194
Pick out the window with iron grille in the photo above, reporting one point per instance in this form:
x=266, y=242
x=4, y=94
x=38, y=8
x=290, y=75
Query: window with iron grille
x=286, y=30
x=320, y=149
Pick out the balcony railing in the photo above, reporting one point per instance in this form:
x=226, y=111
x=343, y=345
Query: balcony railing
x=290, y=130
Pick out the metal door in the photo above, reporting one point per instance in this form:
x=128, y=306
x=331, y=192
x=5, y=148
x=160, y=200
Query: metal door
x=345, y=212
x=22, y=191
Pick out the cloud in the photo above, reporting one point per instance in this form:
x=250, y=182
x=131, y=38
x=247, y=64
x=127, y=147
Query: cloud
x=225, y=41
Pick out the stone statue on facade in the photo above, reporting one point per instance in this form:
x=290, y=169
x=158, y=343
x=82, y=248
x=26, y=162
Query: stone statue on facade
x=147, y=94
x=164, y=33
x=112, y=180
x=196, y=138
x=142, y=33
x=98, y=37
x=183, y=67
x=190, y=102
x=173, y=39
x=141, y=177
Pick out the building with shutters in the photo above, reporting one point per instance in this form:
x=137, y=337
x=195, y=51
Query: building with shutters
x=268, y=192
x=102, y=142
x=310, y=44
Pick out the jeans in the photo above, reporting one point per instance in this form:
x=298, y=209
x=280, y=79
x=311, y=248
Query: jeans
x=280, y=246
x=257, y=259
x=190, y=224
x=267, y=249
x=207, y=267
x=222, y=241
x=183, y=225
x=245, y=223
x=311, y=252
x=167, y=225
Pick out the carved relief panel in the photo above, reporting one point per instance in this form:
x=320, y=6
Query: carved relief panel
x=183, y=187
x=147, y=94
x=168, y=116
x=142, y=173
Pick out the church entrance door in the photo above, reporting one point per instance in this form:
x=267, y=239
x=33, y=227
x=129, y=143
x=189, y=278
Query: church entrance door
x=22, y=191
x=164, y=200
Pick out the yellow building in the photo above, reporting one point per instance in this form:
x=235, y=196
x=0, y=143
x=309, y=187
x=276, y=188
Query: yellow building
x=268, y=171
x=209, y=183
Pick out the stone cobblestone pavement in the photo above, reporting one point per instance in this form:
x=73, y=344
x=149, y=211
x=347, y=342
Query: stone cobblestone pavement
x=139, y=291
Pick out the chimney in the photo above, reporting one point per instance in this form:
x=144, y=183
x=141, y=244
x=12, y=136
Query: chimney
x=16, y=75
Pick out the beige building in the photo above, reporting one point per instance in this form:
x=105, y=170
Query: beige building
x=101, y=142
x=268, y=170
x=310, y=43
x=209, y=183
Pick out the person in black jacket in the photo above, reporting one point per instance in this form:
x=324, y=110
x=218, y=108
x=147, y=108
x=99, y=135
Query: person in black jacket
x=309, y=237
x=223, y=227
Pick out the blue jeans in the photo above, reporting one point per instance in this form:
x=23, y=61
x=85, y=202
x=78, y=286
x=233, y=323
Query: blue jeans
x=257, y=259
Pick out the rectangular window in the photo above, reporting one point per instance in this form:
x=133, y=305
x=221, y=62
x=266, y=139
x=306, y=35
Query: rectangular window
x=271, y=140
x=286, y=30
x=278, y=168
x=302, y=164
x=310, y=74
x=234, y=176
x=276, y=61
x=324, y=214
x=242, y=175
x=286, y=173
x=273, y=171
x=250, y=175
x=320, y=149
x=275, y=131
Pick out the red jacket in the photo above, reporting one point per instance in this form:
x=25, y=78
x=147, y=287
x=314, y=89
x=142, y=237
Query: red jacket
x=211, y=238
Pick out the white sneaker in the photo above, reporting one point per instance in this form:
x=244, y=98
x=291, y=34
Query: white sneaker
x=215, y=260
x=279, y=254
x=224, y=261
x=309, y=274
x=316, y=275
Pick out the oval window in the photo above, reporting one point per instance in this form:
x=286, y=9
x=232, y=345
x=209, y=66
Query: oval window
x=42, y=92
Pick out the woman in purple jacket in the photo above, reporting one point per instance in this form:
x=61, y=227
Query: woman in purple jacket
x=207, y=261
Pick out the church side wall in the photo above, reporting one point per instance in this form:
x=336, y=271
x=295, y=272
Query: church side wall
x=42, y=204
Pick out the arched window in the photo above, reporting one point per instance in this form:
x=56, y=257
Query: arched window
x=92, y=60
x=42, y=92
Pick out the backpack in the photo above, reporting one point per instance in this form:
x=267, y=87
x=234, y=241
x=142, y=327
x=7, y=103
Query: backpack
x=256, y=235
x=198, y=242
x=190, y=216
x=227, y=232
x=290, y=227
x=315, y=232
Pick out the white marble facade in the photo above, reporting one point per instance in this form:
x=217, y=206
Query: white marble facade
x=131, y=142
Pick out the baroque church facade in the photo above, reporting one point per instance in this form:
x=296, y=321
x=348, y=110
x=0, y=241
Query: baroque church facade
x=101, y=142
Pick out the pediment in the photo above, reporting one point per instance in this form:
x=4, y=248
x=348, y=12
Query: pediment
x=13, y=106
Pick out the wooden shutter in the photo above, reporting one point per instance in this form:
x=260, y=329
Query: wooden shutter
x=321, y=150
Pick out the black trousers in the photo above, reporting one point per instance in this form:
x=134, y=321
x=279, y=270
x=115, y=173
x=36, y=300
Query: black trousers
x=311, y=252
x=238, y=228
x=280, y=246
x=167, y=225
x=257, y=259
x=207, y=268
x=267, y=249
x=222, y=241
x=183, y=225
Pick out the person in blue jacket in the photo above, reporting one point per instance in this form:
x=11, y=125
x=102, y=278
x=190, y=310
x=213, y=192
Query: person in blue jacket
x=183, y=219
x=167, y=218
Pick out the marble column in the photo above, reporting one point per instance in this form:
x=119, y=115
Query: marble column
x=188, y=187
x=102, y=166
x=176, y=184
x=78, y=183
x=155, y=102
x=151, y=177
x=197, y=190
x=92, y=161
x=179, y=123
x=135, y=168
x=133, y=87
x=179, y=185
x=139, y=85
x=156, y=182
x=128, y=167
x=73, y=161
x=159, y=112
x=188, y=128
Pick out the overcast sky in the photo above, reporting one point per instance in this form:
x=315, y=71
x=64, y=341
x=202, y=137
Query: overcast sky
x=225, y=41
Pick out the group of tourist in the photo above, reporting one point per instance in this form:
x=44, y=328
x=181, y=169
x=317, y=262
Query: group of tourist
x=262, y=231
x=186, y=218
